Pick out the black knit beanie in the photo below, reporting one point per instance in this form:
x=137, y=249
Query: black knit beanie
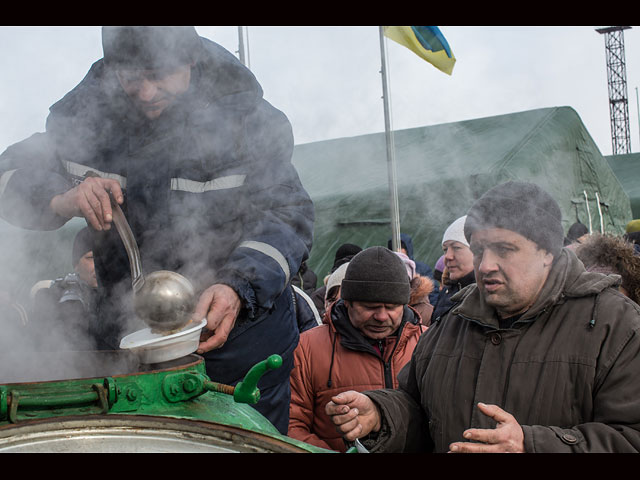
x=150, y=47
x=576, y=231
x=344, y=254
x=376, y=275
x=523, y=208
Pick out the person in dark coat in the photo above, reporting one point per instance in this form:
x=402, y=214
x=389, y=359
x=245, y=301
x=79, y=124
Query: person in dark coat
x=306, y=279
x=438, y=270
x=406, y=247
x=175, y=129
x=632, y=234
x=634, y=239
x=62, y=314
x=577, y=233
x=538, y=356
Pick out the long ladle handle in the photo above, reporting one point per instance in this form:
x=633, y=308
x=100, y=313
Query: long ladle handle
x=137, y=278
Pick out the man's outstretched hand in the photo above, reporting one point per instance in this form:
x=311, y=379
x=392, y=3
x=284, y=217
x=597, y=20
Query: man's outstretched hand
x=507, y=437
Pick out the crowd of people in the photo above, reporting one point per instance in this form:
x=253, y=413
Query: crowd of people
x=533, y=284
x=538, y=352
x=520, y=338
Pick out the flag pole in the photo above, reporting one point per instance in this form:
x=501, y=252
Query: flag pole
x=391, y=160
x=243, y=51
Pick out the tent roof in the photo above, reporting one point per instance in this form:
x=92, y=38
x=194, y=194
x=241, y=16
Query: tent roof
x=471, y=147
x=627, y=169
x=442, y=169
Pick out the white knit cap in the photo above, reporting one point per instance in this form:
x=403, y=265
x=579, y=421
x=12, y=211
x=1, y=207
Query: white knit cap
x=455, y=232
x=335, y=279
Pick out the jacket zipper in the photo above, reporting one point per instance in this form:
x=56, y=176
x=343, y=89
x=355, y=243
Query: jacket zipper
x=388, y=377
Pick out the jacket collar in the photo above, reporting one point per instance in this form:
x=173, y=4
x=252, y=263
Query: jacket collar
x=468, y=279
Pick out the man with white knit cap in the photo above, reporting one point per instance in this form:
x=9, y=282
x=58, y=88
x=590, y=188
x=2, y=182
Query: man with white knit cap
x=458, y=261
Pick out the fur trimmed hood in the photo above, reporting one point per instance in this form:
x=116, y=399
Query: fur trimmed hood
x=612, y=255
x=421, y=287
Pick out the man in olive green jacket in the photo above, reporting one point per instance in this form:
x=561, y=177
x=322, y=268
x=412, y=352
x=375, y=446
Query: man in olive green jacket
x=537, y=356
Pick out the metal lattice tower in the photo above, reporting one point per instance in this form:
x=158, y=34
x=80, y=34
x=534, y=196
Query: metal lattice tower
x=617, y=78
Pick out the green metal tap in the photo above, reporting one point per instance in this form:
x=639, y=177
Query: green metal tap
x=247, y=390
x=179, y=387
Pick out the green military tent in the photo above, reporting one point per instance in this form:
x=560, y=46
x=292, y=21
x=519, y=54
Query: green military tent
x=443, y=169
x=627, y=169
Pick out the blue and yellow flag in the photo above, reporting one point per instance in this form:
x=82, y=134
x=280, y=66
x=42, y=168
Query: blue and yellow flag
x=426, y=42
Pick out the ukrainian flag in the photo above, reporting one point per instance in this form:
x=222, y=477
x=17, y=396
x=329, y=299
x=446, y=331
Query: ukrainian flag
x=426, y=42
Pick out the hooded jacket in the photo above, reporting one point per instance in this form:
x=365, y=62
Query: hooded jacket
x=567, y=370
x=210, y=192
x=421, y=267
x=336, y=357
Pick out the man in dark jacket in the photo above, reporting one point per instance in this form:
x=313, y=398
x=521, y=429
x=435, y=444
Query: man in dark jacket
x=177, y=131
x=538, y=356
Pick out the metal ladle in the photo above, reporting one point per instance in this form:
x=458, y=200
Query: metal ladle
x=164, y=300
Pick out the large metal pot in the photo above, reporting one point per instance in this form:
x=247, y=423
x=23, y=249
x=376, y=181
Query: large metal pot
x=137, y=434
x=109, y=402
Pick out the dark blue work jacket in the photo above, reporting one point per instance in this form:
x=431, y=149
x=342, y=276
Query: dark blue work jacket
x=210, y=192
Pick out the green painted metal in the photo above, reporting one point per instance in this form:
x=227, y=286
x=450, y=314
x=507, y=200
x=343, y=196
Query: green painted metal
x=247, y=391
x=181, y=393
x=627, y=170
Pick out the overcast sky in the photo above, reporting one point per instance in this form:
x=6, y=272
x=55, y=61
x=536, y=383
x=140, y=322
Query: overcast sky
x=327, y=79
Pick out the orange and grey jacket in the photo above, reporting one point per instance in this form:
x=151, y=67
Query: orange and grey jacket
x=336, y=357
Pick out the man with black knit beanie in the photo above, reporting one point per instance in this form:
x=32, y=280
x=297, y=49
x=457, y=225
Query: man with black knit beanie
x=376, y=276
x=369, y=334
x=539, y=355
